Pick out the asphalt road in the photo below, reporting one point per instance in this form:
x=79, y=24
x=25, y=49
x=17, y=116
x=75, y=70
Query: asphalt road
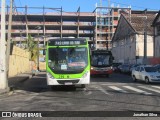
x=116, y=93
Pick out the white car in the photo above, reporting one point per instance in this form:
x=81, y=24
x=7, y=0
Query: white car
x=146, y=73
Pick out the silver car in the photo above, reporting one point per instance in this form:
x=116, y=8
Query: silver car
x=146, y=73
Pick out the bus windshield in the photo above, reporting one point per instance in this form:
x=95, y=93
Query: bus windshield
x=68, y=59
x=101, y=60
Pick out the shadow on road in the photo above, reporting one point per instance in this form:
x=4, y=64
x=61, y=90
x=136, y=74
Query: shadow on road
x=39, y=84
x=115, y=78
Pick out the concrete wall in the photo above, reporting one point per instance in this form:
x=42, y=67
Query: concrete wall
x=127, y=49
x=42, y=66
x=19, y=62
x=140, y=45
x=157, y=46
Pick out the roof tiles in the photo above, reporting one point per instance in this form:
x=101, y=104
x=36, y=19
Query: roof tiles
x=139, y=21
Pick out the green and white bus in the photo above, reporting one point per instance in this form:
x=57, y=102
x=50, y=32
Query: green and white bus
x=68, y=62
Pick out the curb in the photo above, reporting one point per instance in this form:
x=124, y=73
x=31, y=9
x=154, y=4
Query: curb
x=26, y=78
x=5, y=91
x=9, y=89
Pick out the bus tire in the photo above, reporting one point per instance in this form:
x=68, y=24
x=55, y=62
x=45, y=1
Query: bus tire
x=107, y=75
x=83, y=86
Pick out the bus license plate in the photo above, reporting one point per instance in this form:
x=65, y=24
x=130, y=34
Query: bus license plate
x=68, y=83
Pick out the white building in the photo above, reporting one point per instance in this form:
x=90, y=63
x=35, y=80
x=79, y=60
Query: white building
x=128, y=40
x=156, y=25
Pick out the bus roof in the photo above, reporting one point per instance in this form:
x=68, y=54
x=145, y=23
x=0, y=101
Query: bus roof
x=68, y=38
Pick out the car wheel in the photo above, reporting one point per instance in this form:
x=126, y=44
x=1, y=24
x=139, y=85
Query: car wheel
x=134, y=78
x=146, y=80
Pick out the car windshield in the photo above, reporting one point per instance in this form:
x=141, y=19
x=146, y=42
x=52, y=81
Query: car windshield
x=67, y=59
x=150, y=69
x=157, y=66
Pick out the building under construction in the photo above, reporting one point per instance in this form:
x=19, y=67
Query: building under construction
x=97, y=26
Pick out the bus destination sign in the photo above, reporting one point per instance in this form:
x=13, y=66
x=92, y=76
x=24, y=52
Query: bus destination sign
x=67, y=42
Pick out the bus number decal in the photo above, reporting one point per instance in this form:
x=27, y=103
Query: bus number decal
x=61, y=76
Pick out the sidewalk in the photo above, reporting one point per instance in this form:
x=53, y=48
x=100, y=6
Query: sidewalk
x=16, y=79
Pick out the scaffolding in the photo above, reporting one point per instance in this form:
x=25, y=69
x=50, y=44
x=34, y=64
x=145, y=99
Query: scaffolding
x=106, y=23
x=97, y=26
x=48, y=23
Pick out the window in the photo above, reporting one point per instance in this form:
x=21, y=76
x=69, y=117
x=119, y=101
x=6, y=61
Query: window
x=158, y=30
x=132, y=38
x=150, y=69
x=137, y=69
x=67, y=59
x=142, y=69
x=115, y=44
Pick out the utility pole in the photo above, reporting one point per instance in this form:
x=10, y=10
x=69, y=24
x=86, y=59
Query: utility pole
x=95, y=44
x=145, y=38
x=3, y=75
x=9, y=38
x=38, y=28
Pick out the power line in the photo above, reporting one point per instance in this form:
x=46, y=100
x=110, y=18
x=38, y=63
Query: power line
x=130, y=5
x=20, y=2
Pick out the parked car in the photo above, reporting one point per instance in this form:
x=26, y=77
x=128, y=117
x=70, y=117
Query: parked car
x=132, y=67
x=115, y=66
x=119, y=68
x=146, y=73
x=157, y=67
x=125, y=68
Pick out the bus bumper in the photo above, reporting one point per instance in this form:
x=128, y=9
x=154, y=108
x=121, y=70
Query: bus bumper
x=76, y=81
x=101, y=72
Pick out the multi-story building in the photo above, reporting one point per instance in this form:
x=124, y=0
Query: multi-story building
x=98, y=26
x=52, y=25
x=105, y=25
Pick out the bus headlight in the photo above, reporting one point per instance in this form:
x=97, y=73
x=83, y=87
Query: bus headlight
x=85, y=74
x=50, y=76
x=92, y=68
x=111, y=67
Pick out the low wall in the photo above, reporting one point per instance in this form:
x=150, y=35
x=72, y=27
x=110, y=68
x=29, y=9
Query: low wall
x=42, y=66
x=19, y=62
x=154, y=61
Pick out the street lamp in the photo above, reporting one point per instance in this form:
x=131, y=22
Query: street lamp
x=38, y=28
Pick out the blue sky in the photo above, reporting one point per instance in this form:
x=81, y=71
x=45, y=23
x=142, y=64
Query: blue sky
x=89, y=5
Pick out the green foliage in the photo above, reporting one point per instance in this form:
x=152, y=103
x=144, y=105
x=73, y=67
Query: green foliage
x=32, y=48
x=14, y=42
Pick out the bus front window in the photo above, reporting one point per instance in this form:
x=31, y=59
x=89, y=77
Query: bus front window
x=100, y=60
x=67, y=59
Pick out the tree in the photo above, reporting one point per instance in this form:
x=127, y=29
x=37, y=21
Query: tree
x=32, y=48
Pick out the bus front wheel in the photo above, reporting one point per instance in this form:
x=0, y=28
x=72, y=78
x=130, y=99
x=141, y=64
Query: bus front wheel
x=83, y=86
